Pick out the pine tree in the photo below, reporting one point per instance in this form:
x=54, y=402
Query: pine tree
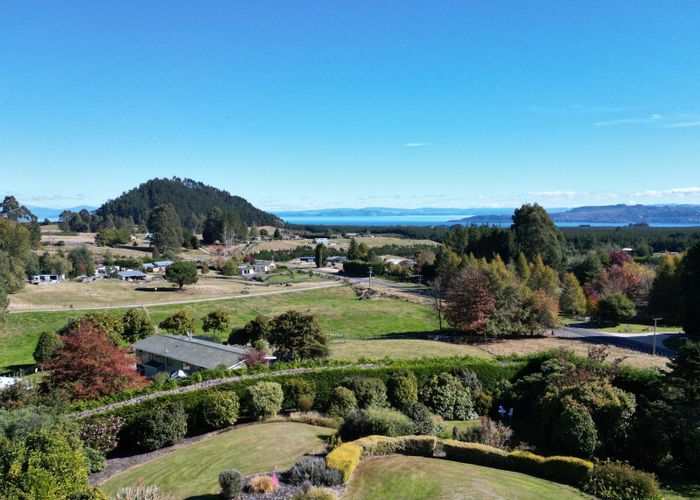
x=572, y=299
x=165, y=225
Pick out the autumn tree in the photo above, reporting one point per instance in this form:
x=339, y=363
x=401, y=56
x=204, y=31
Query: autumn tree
x=572, y=299
x=217, y=320
x=89, y=366
x=182, y=273
x=137, y=325
x=469, y=300
x=166, y=228
x=522, y=267
x=106, y=322
x=297, y=335
x=181, y=323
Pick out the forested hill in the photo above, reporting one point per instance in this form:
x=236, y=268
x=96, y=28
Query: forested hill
x=192, y=201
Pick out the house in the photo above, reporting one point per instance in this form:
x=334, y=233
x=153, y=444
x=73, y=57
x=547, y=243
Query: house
x=352, y=235
x=246, y=270
x=177, y=353
x=307, y=259
x=44, y=279
x=264, y=266
x=106, y=271
x=399, y=261
x=337, y=259
x=131, y=275
x=321, y=241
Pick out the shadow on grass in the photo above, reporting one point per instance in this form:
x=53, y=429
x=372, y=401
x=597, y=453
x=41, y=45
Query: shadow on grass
x=158, y=289
x=202, y=497
x=25, y=369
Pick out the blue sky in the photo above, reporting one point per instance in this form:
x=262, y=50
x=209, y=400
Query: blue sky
x=313, y=104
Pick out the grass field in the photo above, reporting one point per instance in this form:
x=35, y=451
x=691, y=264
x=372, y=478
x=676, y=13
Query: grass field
x=406, y=478
x=194, y=470
x=353, y=349
x=337, y=309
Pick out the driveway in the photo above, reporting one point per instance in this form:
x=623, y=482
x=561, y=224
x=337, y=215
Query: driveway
x=642, y=342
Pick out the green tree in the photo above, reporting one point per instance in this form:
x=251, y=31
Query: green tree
x=522, y=267
x=615, y=307
x=448, y=264
x=182, y=273
x=320, y=255
x=48, y=343
x=213, y=226
x=82, y=261
x=217, y=320
x=690, y=290
x=137, y=325
x=106, y=322
x=536, y=234
x=164, y=224
x=297, y=335
x=663, y=297
x=543, y=277
x=15, y=254
x=181, y=323
x=574, y=432
x=277, y=235
x=264, y=399
x=572, y=299
x=258, y=328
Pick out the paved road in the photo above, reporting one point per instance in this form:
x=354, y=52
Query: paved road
x=637, y=342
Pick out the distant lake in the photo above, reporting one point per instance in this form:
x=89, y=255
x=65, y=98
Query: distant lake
x=424, y=220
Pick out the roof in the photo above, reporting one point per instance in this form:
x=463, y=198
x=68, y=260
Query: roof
x=131, y=274
x=264, y=262
x=163, y=263
x=193, y=351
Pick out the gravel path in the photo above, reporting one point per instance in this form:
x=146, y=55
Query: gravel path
x=213, y=383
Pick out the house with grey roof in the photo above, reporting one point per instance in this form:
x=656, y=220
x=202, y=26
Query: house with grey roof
x=131, y=275
x=175, y=353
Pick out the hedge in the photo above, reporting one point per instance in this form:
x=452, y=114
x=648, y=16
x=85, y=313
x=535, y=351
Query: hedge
x=345, y=458
x=568, y=470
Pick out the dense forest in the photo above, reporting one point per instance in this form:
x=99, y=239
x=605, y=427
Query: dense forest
x=192, y=201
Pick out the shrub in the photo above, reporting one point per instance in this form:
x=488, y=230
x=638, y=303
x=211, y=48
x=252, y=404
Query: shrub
x=142, y=493
x=445, y=395
x=421, y=417
x=315, y=471
x=619, y=481
x=95, y=459
x=100, y=432
x=525, y=462
x=570, y=470
x=294, y=388
x=423, y=446
x=264, y=399
x=263, y=484
x=369, y=391
x=494, y=433
x=344, y=459
x=402, y=389
x=217, y=409
x=474, y=453
x=469, y=379
x=574, y=431
x=342, y=402
x=162, y=425
x=375, y=420
x=315, y=494
x=313, y=418
x=230, y=483
x=483, y=401
x=305, y=402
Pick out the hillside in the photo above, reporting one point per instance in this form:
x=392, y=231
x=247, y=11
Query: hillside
x=192, y=201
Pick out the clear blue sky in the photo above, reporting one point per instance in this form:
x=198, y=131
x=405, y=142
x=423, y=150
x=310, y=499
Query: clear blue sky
x=296, y=104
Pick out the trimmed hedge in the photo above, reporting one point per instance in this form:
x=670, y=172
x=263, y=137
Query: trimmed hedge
x=568, y=470
x=423, y=446
x=345, y=459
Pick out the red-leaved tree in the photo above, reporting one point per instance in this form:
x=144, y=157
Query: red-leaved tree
x=469, y=300
x=89, y=366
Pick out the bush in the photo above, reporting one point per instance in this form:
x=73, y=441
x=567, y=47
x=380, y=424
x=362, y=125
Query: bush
x=619, y=481
x=344, y=459
x=95, y=459
x=315, y=494
x=217, y=409
x=263, y=484
x=474, y=453
x=574, y=431
x=569, y=470
x=423, y=446
x=305, y=402
x=494, y=433
x=402, y=389
x=483, y=401
x=313, y=418
x=342, y=402
x=469, y=379
x=445, y=395
x=525, y=462
x=369, y=391
x=230, y=483
x=421, y=417
x=294, y=389
x=264, y=399
x=375, y=420
x=315, y=471
x=162, y=425
x=142, y=493
x=100, y=432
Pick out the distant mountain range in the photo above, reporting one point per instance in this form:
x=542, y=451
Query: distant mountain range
x=392, y=212
x=53, y=213
x=609, y=214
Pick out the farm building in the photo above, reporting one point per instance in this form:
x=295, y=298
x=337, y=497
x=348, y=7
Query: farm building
x=264, y=266
x=45, y=279
x=307, y=259
x=158, y=266
x=246, y=270
x=131, y=275
x=321, y=241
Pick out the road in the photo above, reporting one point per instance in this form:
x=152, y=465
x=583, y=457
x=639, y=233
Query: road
x=641, y=342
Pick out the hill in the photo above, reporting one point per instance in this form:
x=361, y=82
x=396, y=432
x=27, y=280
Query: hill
x=192, y=201
x=610, y=214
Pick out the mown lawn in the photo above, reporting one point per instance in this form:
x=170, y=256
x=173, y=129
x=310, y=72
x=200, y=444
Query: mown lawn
x=408, y=478
x=337, y=309
x=399, y=348
x=194, y=470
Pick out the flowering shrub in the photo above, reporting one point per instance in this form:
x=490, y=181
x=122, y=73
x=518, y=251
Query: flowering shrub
x=100, y=433
x=619, y=481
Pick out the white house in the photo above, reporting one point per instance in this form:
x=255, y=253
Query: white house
x=321, y=241
x=45, y=279
x=246, y=270
x=264, y=266
x=399, y=261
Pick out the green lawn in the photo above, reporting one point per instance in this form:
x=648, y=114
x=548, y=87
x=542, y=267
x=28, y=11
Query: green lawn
x=398, y=348
x=337, y=309
x=194, y=470
x=462, y=425
x=418, y=478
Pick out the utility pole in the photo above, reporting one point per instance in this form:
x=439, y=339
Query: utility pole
x=370, y=276
x=654, y=342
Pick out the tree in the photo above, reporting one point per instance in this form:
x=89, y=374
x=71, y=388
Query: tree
x=277, y=235
x=445, y=395
x=264, y=399
x=320, y=255
x=181, y=323
x=615, y=307
x=540, y=311
x=182, y=273
x=15, y=254
x=137, y=325
x=106, y=322
x=663, y=297
x=213, y=226
x=254, y=232
x=166, y=228
x=690, y=290
x=48, y=343
x=572, y=299
x=543, y=277
x=469, y=300
x=258, y=328
x=297, y=335
x=574, y=432
x=81, y=261
x=522, y=267
x=89, y=366
x=217, y=320
x=448, y=264
x=536, y=234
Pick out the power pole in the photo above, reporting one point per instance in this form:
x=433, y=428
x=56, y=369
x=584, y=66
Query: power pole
x=370, y=277
x=654, y=342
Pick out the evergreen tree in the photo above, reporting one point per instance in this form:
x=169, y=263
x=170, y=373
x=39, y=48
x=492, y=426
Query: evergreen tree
x=522, y=267
x=543, y=277
x=213, y=226
x=663, y=297
x=48, y=343
x=164, y=224
x=690, y=290
x=182, y=273
x=536, y=234
x=572, y=299
x=137, y=325
x=320, y=255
